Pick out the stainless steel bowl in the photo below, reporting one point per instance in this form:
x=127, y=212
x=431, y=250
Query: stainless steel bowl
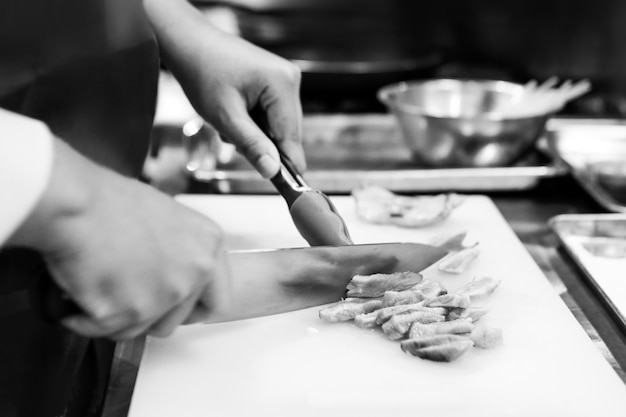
x=458, y=123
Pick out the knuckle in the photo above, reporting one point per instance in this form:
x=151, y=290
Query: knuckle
x=291, y=73
x=250, y=146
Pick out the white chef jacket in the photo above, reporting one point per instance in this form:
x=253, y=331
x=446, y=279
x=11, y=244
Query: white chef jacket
x=26, y=154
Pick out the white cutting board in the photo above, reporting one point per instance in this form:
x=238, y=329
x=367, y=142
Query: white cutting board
x=294, y=364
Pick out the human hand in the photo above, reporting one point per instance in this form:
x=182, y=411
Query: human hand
x=226, y=77
x=133, y=259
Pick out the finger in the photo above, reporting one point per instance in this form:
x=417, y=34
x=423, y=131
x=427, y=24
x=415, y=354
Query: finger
x=132, y=331
x=248, y=138
x=118, y=326
x=88, y=327
x=284, y=116
x=166, y=325
x=215, y=299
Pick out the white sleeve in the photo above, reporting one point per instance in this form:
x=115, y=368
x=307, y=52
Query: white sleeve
x=26, y=153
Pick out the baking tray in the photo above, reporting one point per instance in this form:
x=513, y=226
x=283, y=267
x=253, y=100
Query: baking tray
x=346, y=151
x=582, y=144
x=597, y=244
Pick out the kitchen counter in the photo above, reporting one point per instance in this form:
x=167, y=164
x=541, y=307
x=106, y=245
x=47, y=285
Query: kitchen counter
x=527, y=212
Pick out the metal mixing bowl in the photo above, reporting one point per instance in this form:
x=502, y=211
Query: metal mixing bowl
x=457, y=123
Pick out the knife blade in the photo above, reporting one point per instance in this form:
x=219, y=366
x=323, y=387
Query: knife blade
x=267, y=282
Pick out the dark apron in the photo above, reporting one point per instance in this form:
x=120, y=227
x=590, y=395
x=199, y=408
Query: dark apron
x=89, y=69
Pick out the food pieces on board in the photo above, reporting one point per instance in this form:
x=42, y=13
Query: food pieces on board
x=471, y=313
x=375, y=285
x=422, y=291
x=461, y=252
x=458, y=262
x=441, y=326
x=398, y=325
x=480, y=288
x=385, y=313
x=378, y=205
x=458, y=326
x=440, y=348
x=485, y=337
x=349, y=308
x=449, y=301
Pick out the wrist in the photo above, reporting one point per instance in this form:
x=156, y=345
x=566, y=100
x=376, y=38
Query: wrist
x=67, y=196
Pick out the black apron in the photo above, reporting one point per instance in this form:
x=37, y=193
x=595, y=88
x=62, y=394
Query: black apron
x=89, y=70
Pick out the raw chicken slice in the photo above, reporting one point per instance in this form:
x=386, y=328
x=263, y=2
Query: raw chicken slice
x=472, y=314
x=458, y=262
x=398, y=325
x=375, y=285
x=349, y=308
x=422, y=291
x=445, y=352
x=479, y=288
x=366, y=320
x=386, y=313
x=485, y=337
x=449, y=301
x=378, y=205
x=458, y=326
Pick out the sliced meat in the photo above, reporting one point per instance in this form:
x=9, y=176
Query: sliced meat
x=378, y=205
x=471, y=313
x=366, y=320
x=480, y=288
x=444, y=352
x=449, y=301
x=375, y=285
x=386, y=313
x=486, y=337
x=398, y=325
x=424, y=290
x=349, y=308
x=458, y=262
x=458, y=326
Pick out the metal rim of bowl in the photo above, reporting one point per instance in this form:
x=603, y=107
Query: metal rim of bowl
x=384, y=95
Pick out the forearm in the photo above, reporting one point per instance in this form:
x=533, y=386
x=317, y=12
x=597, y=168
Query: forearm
x=225, y=77
x=197, y=52
x=26, y=153
x=175, y=23
x=68, y=194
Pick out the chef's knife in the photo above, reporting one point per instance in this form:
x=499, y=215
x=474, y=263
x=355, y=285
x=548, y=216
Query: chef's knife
x=265, y=282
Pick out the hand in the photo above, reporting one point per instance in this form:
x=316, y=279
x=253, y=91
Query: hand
x=132, y=258
x=226, y=77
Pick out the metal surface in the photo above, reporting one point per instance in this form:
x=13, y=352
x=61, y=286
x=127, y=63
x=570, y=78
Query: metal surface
x=574, y=231
x=347, y=151
x=280, y=280
x=461, y=123
x=589, y=148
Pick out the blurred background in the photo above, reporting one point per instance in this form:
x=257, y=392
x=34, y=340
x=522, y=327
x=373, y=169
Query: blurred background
x=347, y=49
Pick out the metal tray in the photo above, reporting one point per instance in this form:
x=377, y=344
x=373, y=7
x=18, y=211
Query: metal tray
x=346, y=151
x=584, y=145
x=597, y=244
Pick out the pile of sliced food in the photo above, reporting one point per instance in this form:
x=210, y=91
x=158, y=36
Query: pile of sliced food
x=429, y=322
